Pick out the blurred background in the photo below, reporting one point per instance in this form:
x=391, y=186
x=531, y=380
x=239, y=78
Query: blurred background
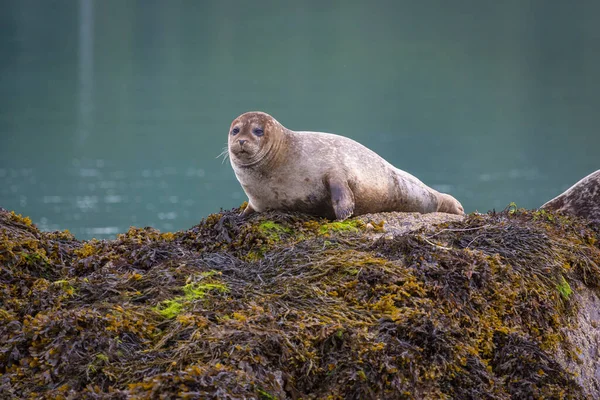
x=113, y=112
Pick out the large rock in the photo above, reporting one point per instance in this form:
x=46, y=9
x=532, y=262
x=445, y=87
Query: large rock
x=582, y=199
x=395, y=305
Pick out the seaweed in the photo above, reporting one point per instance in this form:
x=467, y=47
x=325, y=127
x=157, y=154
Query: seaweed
x=281, y=305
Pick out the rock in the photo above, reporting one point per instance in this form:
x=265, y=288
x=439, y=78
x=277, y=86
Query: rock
x=582, y=199
x=398, y=223
x=488, y=306
x=586, y=338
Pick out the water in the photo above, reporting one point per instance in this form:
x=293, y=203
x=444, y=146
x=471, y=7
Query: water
x=112, y=113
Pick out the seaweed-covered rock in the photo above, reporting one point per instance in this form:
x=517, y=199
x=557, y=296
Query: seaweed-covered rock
x=495, y=306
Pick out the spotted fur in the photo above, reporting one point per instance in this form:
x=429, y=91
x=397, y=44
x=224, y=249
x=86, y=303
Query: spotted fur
x=582, y=199
x=321, y=173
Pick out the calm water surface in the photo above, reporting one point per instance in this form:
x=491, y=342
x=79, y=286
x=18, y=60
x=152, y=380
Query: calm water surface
x=113, y=113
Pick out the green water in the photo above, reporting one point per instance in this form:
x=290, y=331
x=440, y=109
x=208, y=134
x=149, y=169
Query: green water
x=113, y=112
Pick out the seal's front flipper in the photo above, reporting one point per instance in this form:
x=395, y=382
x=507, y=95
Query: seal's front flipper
x=247, y=211
x=342, y=199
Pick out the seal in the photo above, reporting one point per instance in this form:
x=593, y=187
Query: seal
x=582, y=199
x=321, y=174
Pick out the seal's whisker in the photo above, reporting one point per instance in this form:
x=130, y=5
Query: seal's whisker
x=224, y=154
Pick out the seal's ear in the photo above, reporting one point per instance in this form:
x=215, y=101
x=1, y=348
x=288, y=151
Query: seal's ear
x=342, y=198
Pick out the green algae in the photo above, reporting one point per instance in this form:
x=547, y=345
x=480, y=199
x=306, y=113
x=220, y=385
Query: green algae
x=171, y=308
x=264, y=395
x=195, y=291
x=273, y=230
x=349, y=225
x=284, y=306
x=564, y=288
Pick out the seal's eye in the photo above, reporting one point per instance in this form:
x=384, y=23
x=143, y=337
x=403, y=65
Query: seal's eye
x=258, y=132
x=235, y=131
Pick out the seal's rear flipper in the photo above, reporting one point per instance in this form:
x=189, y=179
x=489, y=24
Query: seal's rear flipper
x=449, y=204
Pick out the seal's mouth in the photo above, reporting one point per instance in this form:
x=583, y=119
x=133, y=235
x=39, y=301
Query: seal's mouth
x=244, y=153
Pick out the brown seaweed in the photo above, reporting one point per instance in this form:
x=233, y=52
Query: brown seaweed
x=284, y=306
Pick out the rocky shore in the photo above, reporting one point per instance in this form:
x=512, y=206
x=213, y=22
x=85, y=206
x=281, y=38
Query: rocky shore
x=494, y=306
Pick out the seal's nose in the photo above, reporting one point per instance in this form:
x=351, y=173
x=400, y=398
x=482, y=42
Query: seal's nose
x=242, y=141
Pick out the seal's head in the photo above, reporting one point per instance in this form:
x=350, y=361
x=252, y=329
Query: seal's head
x=252, y=136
